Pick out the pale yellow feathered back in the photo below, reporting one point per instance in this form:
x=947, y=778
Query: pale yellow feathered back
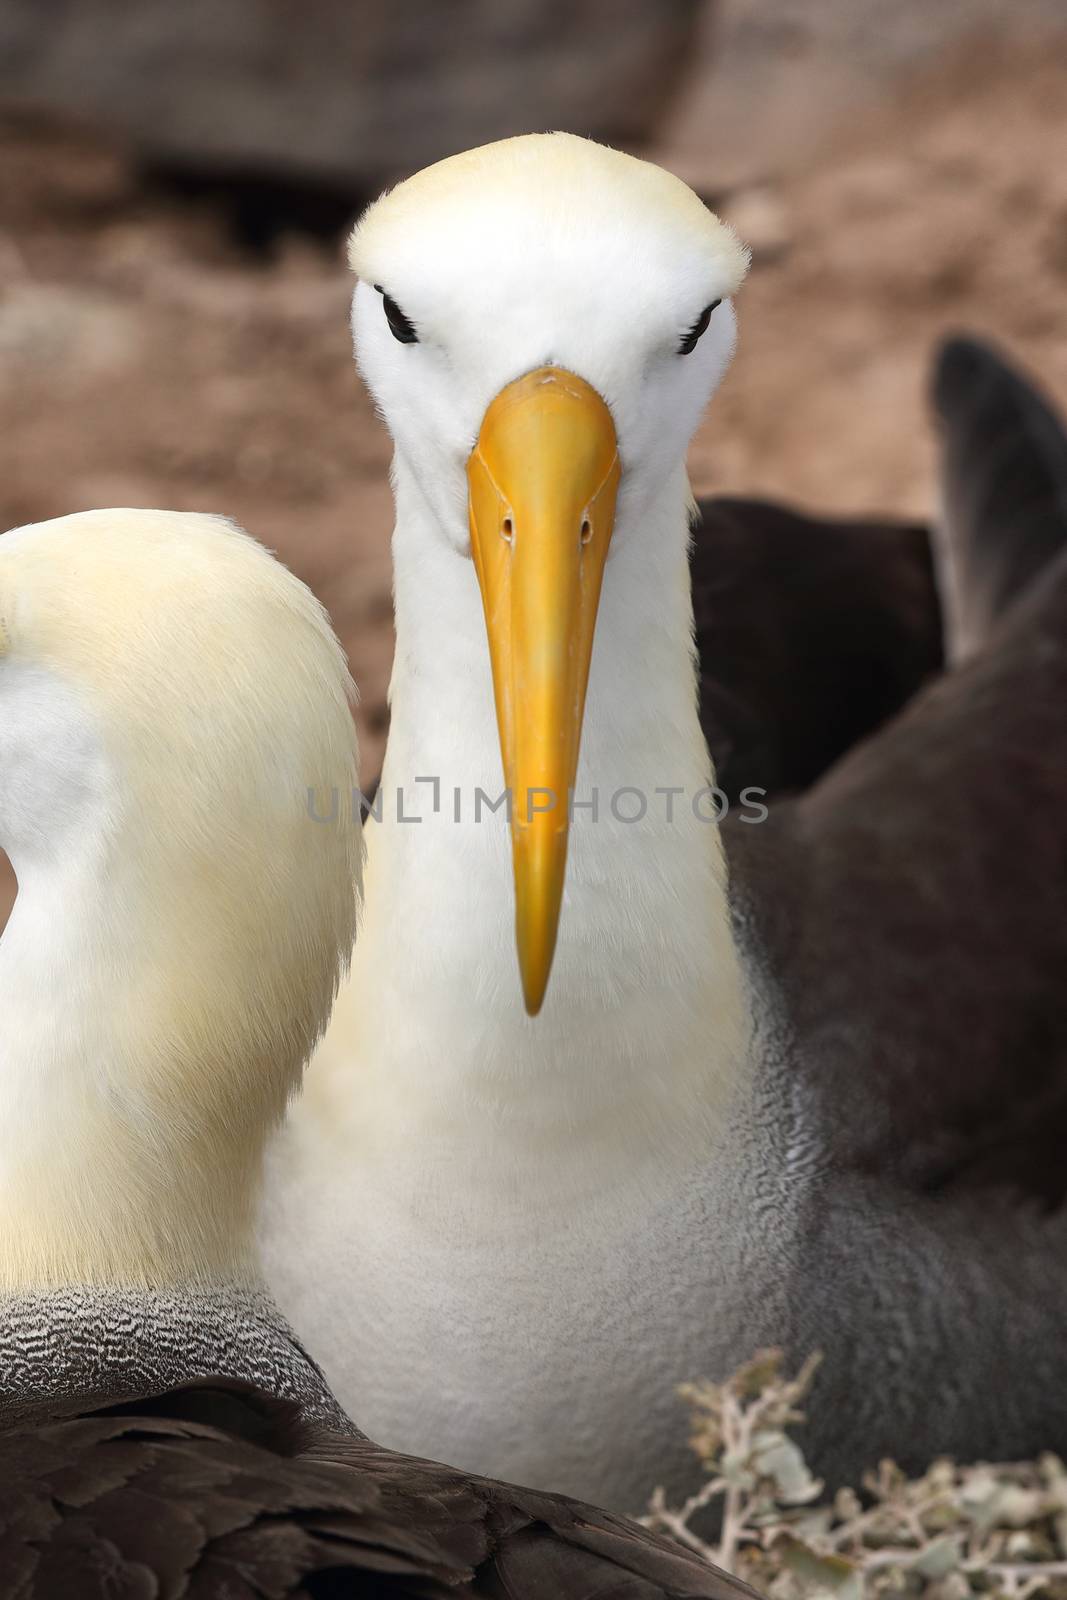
x=226, y=913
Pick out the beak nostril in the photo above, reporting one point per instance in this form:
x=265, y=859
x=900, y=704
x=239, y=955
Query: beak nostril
x=507, y=530
x=587, y=530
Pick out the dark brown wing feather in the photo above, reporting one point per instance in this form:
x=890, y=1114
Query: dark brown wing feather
x=811, y=634
x=914, y=901
x=1003, y=480
x=156, y=1499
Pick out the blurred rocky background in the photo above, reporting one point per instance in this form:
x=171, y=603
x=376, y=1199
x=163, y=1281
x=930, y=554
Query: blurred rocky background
x=175, y=182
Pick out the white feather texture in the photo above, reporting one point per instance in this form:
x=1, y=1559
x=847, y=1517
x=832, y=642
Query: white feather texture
x=168, y=695
x=473, y=1214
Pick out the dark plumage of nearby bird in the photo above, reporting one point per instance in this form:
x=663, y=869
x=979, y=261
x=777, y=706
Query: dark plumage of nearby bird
x=221, y=1491
x=1004, y=485
x=911, y=907
x=811, y=633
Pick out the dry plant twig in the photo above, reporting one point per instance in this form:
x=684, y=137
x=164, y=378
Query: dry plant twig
x=956, y=1532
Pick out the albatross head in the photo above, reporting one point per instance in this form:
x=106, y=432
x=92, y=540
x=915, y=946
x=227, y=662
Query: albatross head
x=542, y=322
x=168, y=696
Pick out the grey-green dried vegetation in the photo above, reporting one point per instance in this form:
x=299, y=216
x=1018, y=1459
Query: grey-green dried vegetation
x=991, y=1529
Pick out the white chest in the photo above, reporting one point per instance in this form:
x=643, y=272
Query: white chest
x=543, y=1344
x=508, y=1239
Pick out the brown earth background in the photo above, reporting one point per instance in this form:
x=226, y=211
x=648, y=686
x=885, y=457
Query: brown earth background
x=173, y=321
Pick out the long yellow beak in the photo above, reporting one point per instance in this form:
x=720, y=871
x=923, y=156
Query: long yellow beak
x=543, y=478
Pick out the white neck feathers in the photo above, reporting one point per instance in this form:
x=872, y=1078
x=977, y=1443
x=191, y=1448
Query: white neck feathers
x=643, y=1033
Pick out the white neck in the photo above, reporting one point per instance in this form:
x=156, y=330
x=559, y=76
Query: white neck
x=103, y=1180
x=643, y=1032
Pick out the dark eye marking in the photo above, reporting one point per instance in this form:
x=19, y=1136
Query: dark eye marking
x=400, y=327
x=689, y=343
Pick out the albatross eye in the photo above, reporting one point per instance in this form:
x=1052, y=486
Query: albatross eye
x=400, y=327
x=689, y=343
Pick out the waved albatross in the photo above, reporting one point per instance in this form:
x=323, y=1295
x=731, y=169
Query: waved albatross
x=744, y=1100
